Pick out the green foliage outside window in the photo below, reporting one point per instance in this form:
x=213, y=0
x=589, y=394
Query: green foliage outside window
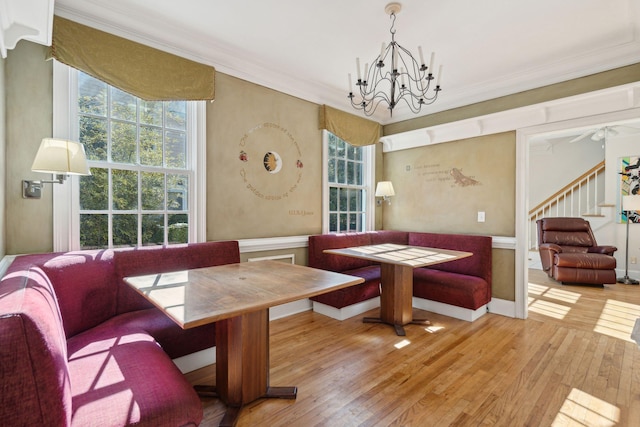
x=138, y=190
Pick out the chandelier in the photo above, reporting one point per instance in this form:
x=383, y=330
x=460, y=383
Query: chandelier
x=405, y=79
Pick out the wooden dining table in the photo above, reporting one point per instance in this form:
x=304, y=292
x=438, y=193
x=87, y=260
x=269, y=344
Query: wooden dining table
x=396, y=277
x=237, y=297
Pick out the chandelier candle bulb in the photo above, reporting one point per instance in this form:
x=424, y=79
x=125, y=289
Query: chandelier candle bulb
x=433, y=55
x=382, y=52
x=350, y=85
x=439, y=75
x=421, y=55
x=358, y=68
x=366, y=71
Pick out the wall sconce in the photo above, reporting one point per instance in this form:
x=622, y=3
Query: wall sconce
x=384, y=189
x=56, y=156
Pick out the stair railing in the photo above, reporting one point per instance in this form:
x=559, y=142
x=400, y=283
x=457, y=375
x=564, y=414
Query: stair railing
x=581, y=197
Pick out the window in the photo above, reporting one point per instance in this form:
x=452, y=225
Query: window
x=348, y=199
x=142, y=188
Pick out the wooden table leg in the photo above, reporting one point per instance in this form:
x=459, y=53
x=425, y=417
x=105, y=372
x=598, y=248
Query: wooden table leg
x=242, y=363
x=396, y=299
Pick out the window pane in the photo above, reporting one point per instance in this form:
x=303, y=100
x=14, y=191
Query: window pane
x=333, y=140
x=353, y=200
x=351, y=150
x=331, y=171
x=150, y=146
x=176, y=149
x=94, y=190
x=93, y=134
x=94, y=231
x=333, y=199
x=123, y=105
x=92, y=95
x=152, y=190
x=177, y=192
x=152, y=230
x=151, y=112
x=358, y=174
x=125, y=230
x=123, y=142
x=342, y=173
x=344, y=195
x=340, y=149
x=176, y=113
x=343, y=222
x=353, y=222
x=125, y=189
x=350, y=173
x=178, y=228
x=333, y=222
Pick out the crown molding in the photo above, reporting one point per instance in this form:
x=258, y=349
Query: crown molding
x=25, y=20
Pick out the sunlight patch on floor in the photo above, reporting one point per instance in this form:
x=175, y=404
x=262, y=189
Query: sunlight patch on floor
x=433, y=329
x=402, y=344
x=617, y=319
x=583, y=409
x=548, y=308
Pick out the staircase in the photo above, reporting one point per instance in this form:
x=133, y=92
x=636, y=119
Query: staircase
x=580, y=198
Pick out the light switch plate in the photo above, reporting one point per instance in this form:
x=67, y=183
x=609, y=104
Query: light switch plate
x=480, y=216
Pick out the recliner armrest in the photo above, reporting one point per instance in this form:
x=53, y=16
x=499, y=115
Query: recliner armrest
x=608, y=250
x=547, y=251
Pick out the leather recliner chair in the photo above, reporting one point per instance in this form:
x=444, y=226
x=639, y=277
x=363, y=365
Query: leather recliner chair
x=570, y=254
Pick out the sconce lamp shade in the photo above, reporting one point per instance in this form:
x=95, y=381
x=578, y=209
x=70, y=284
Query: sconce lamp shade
x=631, y=203
x=385, y=189
x=60, y=156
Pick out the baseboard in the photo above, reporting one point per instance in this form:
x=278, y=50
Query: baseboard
x=196, y=360
x=449, y=310
x=502, y=307
x=289, y=309
x=348, y=311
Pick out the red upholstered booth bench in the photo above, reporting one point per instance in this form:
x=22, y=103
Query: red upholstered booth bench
x=460, y=288
x=78, y=347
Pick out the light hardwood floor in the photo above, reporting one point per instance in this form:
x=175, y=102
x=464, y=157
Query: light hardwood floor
x=571, y=363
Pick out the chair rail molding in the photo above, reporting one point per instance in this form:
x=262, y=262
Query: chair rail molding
x=25, y=20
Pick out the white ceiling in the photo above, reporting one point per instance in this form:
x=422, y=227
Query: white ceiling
x=304, y=48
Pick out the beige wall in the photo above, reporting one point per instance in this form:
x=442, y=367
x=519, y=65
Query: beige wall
x=3, y=163
x=244, y=199
x=29, y=119
x=441, y=188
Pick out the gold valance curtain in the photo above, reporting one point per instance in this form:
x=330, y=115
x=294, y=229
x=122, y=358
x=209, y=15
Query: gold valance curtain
x=140, y=70
x=351, y=128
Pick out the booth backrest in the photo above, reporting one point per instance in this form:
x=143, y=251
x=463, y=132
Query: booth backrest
x=149, y=260
x=33, y=354
x=478, y=265
x=320, y=242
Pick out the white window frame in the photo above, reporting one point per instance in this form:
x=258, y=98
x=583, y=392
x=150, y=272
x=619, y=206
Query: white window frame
x=369, y=157
x=66, y=198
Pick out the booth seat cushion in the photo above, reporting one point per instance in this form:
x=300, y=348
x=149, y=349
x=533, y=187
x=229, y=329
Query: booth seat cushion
x=370, y=288
x=456, y=289
x=121, y=376
x=174, y=340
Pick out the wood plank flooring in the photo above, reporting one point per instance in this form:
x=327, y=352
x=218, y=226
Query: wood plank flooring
x=571, y=363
